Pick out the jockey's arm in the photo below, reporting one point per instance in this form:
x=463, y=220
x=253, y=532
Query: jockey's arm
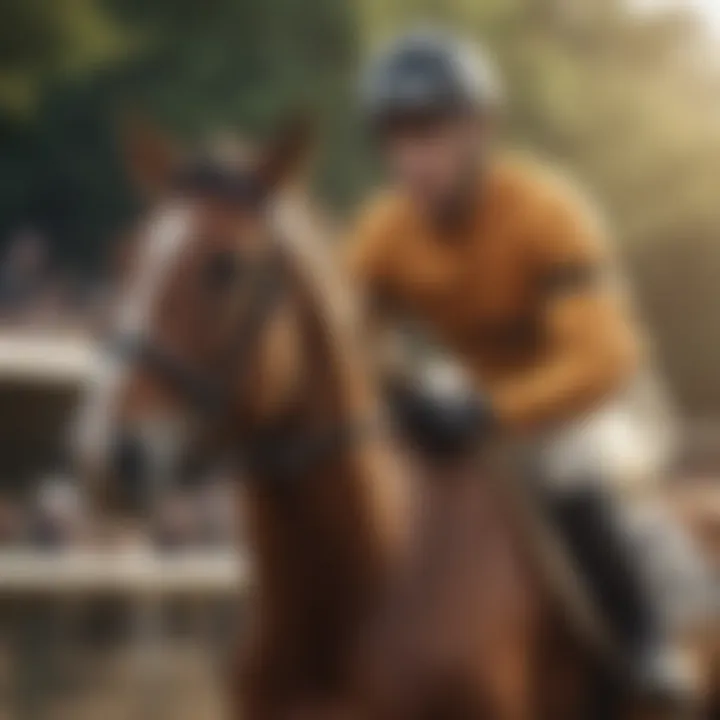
x=594, y=354
x=593, y=348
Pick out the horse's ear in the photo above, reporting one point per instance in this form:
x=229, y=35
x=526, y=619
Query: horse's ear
x=151, y=157
x=287, y=151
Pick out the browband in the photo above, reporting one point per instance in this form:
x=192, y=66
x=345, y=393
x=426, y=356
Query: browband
x=206, y=176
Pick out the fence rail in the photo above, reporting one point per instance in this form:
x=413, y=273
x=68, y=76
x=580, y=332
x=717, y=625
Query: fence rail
x=135, y=573
x=173, y=622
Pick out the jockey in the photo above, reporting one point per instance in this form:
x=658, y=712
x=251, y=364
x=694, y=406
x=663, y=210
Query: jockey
x=508, y=266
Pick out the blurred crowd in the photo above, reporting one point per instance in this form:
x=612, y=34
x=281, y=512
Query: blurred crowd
x=34, y=292
x=55, y=516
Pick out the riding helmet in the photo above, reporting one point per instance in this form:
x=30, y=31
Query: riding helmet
x=427, y=73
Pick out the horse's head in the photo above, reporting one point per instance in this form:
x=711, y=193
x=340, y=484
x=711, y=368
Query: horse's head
x=202, y=335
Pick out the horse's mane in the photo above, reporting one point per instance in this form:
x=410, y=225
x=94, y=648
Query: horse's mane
x=306, y=236
x=336, y=304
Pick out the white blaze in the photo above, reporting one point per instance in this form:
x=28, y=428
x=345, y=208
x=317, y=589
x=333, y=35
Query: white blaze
x=168, y=232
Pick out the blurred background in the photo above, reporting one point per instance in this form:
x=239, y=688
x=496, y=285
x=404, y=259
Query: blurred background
x=624, y=93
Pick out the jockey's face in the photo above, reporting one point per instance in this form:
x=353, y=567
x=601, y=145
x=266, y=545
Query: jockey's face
x=435, y=161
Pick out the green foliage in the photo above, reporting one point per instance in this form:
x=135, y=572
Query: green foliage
x=42, y=42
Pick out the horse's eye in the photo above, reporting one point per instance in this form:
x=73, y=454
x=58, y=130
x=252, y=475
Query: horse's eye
x=223, y=270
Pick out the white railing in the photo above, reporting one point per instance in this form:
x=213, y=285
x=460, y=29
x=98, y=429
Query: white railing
x=46, y=358
x=49, y=668
x=134, y=573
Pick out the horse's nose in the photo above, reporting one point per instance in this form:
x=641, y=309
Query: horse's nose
x=131, y=467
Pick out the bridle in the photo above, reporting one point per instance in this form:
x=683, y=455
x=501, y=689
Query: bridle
x=206, y=393
x=272, y=452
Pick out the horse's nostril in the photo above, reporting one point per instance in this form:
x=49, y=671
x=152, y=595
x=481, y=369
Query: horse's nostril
x=131, y=468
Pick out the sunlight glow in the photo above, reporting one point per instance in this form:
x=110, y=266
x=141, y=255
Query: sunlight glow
x=709, y=10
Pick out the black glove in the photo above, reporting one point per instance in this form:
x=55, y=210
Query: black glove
x=441, y=424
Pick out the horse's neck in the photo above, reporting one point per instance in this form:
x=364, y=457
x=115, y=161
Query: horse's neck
x=323, y=544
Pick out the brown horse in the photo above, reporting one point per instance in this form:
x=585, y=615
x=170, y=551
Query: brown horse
x=380, y=589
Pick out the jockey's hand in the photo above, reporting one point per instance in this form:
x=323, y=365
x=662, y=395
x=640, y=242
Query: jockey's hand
x=441, y=423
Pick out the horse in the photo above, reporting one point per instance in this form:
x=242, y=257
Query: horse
x=383, y=586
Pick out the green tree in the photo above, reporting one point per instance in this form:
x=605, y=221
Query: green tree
x=42, y=42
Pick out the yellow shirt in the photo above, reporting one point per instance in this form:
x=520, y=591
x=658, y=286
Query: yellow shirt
x=521, y=295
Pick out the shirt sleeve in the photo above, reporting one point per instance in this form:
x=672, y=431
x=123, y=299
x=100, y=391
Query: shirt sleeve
x=571, y=252
x=591, y=349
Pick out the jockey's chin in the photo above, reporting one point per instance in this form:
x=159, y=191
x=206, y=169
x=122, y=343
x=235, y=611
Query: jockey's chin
x=435, y=162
